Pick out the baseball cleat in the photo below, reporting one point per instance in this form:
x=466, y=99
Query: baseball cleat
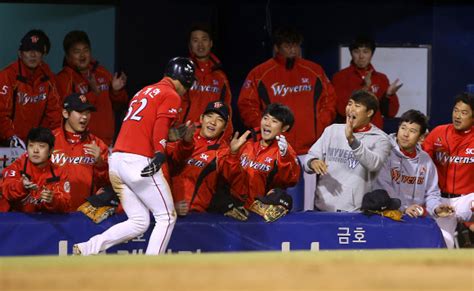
x=76, y=251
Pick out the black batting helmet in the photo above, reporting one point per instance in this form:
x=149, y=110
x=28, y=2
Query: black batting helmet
x=181, y=69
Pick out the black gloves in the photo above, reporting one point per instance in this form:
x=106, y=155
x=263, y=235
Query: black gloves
x=154, y=166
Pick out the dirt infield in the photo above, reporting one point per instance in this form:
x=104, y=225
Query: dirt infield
x=324, y=270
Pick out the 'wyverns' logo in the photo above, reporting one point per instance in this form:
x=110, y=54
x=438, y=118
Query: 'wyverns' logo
x=61, y=159
x=245, y=162
x=405, y=179
x=342, y=156
x=283, y=89
x=444, y=158
x=24, y=99
x=204, y=88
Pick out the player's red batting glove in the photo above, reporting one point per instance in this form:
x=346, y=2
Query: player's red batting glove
x=154, y=166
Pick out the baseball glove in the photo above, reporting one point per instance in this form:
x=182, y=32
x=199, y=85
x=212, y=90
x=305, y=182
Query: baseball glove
x=239, y=213
x=97, y=214
x=269, y=212
x=392, y=214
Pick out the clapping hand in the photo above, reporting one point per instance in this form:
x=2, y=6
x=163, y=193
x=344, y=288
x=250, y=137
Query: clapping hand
x=46, y=195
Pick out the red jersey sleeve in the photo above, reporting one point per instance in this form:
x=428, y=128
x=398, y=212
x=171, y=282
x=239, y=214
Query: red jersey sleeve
x=53, y=117
x=12, y=185
x=160, y=133
x=249, y=103
x=101, y=171
x=326, y=106
x=288, y=169
x=428, y=144
x=6, y=96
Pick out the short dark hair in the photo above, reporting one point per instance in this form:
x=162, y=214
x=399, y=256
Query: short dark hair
x=362, y=41
x=73, y=37
x=41, y=134
x=467, y=98
x=287, y=34
x=281, y=112
x=415, y=116
x=200, y=26
x=367, y=99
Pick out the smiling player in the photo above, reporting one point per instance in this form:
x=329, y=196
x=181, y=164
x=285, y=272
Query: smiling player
x=348, y=157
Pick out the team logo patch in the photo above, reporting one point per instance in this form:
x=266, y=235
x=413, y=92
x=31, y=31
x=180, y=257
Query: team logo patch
x=34, y=38
x=218, y=104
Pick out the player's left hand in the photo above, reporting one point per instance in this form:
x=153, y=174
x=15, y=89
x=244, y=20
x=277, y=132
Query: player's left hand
x=119, y=81
x=154, y=166
x=282, y=144
x=94, y=150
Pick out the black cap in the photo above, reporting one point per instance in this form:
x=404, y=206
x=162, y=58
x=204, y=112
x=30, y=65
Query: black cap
x=379, y=200
x=35, y=40
x=77, y=102
x=277, y=196
x=218, y=107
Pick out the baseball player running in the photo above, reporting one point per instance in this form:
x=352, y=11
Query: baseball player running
x=135, y=164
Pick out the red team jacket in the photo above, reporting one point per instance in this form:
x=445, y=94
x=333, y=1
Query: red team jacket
x=256, y=169
x=211, y=85
x=102, y=122
x=22, y=200
x=27, y=100
x=305, y=89
x=453, y=154
x=85, y=177
x=351, y=79
x=143, y=131
x=195, y=170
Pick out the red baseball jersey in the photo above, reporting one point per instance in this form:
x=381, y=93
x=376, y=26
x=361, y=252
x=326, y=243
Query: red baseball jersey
x=453, y=154
x=152, y=103
x=305, y=89
x=50, y=177
x=351, y=79
x=27, y=99
x=102, y=122
x=257, y=169
x=84, y=174
x=195, y=170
